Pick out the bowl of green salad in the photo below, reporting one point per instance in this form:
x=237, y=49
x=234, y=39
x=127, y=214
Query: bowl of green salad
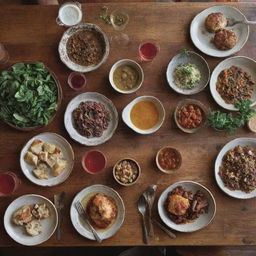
x=30, y=95
x=188, y=73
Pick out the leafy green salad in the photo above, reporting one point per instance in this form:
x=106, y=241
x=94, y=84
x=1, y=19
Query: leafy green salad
x=28, y=95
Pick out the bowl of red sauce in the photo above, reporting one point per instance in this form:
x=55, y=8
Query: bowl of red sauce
x=168, y=159
x=94, y=162
x=190, y=115
x=76, y=80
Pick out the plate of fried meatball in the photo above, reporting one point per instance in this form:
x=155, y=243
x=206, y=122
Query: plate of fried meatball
x=30, y=219
x=105, y=210
x=186, y=206
x=211, y=33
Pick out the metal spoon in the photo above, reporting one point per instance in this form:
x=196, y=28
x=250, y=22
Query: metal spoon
x=142, y=210
x=149, y=195
x=232, y=22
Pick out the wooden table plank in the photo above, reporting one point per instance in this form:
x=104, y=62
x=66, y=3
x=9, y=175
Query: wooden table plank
x=30, y=33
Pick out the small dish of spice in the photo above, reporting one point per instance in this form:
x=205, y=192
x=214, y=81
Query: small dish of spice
x=126, y=76
x=126, y=171
x=190, y=115
x=168, y=159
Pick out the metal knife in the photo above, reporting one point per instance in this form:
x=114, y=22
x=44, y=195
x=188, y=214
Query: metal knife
x=59, y=201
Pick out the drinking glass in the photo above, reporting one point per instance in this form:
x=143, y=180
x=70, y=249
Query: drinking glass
x=119, y=20
x=4, y=55
x=9, y=182
x=148, y=50
x=76, y=80
x=65, y=16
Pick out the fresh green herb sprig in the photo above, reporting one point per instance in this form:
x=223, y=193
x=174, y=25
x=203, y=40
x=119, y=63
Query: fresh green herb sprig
x=104, y=15
x=28, y=95
x=227, y=122
x=185, y=52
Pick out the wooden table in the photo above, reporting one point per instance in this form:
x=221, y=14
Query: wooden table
x=30, y=33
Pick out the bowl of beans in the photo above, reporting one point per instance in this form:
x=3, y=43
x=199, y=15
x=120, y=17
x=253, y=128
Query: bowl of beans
x=168, y=159
x=190, y=115
x=126, y=171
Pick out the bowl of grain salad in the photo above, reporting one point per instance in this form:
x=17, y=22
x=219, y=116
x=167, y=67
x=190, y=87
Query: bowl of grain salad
x=126, y=171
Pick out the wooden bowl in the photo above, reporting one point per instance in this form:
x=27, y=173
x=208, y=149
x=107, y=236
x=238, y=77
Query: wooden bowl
x=138, y=167
x=59, y=99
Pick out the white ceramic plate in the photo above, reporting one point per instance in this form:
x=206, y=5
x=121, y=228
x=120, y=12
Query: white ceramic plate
x=202, y=38
x=127, y=110
x=80, y=225
x=201, y=222
x=231, y=145
x=67, y=152
x=193, y=58
x=97, y=97
x=18, y=233
x=63, y=47
x=247, y=64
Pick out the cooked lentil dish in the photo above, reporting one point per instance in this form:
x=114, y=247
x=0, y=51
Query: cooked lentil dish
x=86, y=47
x=183, y=207
x=190, y=116
x=169, y=159
x=238, y=169
x=126, y=171
x=234, y=84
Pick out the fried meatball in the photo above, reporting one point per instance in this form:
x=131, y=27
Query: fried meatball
x=102, y=210
x=215, y=22
x=177, y=204
x=225, y=39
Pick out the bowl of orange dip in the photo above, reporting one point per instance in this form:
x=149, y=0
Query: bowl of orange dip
x=144, y=114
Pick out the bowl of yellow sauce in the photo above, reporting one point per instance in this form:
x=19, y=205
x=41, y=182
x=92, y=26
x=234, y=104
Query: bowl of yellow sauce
x=126, y=76
x=144, y=114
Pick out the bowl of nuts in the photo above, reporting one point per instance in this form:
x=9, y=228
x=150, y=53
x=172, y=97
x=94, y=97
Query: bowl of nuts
x=126, y=171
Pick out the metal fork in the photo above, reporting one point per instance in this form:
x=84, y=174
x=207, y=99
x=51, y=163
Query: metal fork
x=81, y=211
x=232, y=22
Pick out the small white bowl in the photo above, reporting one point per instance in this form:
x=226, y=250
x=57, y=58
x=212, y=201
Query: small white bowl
x=247, y=64
x=193, y=58
x=127, y=111
x=130, y=63
x=202, y=221
x=231, y=145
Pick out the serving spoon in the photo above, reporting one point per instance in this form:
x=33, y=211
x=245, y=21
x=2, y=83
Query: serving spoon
x=232, y=22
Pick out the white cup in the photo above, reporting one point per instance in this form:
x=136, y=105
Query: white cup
x=70, y=14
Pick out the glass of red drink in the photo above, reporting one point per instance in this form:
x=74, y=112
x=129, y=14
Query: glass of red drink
x=94, y=162
x=9, y=183
x=148, y=50
x=76, y=80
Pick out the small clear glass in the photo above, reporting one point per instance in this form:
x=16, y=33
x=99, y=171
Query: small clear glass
x=70, y=14
x=148, y=50
x=9, y=182
x=4, y=55
x=76, y=81
x=119, y=20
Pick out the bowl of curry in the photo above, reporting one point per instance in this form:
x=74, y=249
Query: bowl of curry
x=144, y=115
x=126, y=76
x=84, y=47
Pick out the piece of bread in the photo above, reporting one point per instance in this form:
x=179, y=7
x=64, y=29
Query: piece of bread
x=40, y=174
x=48, y=147
x=59, y=167
x=43, y=156
x=42, y=166
x=31, y=158
x=40, y=211
x=22, y=215
x=33, y=228
x=36, y=146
